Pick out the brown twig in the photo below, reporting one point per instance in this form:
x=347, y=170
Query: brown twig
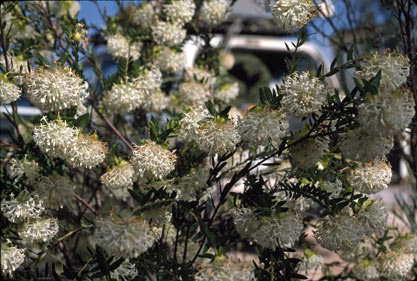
x=82, y=201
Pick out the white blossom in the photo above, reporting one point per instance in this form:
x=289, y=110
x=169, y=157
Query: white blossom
x=119, y=46
x=156, y=101
x=169, y=34
x=387, y=113
x=223, y=269
x=370, y=178
x=394, y=67
x=194, y=93
x=406, y=243
x=246, y=222
x=303, y=94
x=144, y=16
x=366, y=270
x=180, y=11
x=86, y=152
x=334, y=187
x=310, y=261
x=189, y=124
x=55, y=88
x=22, y=207
x=151, y=161
x=373, y=217
x=170, y=61
x=291, y=15
x=191, y=185
x=55, y=191
x=39, y=230
x=227, y=59
x=123, y=98
x=395, y=265
x=263, y=127
x=125, y=237
x=118, y=180
x=339, y=232
x=358, y=145
x=214, y=12
x=307, y=153
x=9, y=92
x=201, y=76
x=125, y=272
x=11, y=258
x=19, y=168
x=227, y=92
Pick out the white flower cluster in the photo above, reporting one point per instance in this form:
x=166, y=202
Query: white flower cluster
x=308, y=152
x=310, y=261
x=168, y=34
x=24, y=206
x=227, y=59
x=223, y=269
x=190, y=185
x=151, y=161
x=9, y=92
x=170, y=61
x=127, y=238
x=55, y=191
x=55, y=88
x=335, y=187
x=395, y=265
x=303, y=94
x=394, y=67
x=156, y=101
x=56, y=139
x=124, y=97
x=180, y=11
x=387, y=113
x=291, y=15
x=373, y=217
x=214, y=12
x=366, y=270
x=406, y=243
x=263, y=230
x=189, y=124
x=19, y=168
x=144, y=16
x=125, y=272
x=353, y=143
x=11, y=258
x=119, y=46
x=39, y=230
x=202, y=76
x=227, y=92
x=194, y=93
x=339, y=232
x=370, y=178
x=118, y=180
x=263, y=127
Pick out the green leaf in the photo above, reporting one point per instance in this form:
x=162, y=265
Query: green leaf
x=63, y=59
x=211, y=108
x=82, y=121
x=224, y=113
x=41, y=60
x=350, y=52
x=332, y=65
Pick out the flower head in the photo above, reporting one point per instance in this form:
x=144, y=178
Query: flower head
x=180, y=11
x=19, y=168
x=56, y=88
x=214, y=12
x=373, y=216
x=227, y=92
x=125, y=272
x=263, y=127
x=366, y=270
x=353, y=143
x=39, y=230
x=125, y=237
x=223, y=269
x=291, y=15
x=144, y=16
x=11, y=258
x=55, y=191
x=9, y=92
x=370, y=178
x=123, y=98
x=395, y=265
x=119, y=46
x=151, y=161
x=156, y=101
x=170, y=61
x=87, y=152
x=303, y=94
x=340, y=232
x=169, y=34
x=394, y=67
x=190, y=185
x=310, y=261
x=118, y=180
x=387, y=113
x=308, y=152
x=333, y=187
x=22, y=207
x=194, y=93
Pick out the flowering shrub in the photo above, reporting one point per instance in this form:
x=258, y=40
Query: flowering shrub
x=148, y=174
